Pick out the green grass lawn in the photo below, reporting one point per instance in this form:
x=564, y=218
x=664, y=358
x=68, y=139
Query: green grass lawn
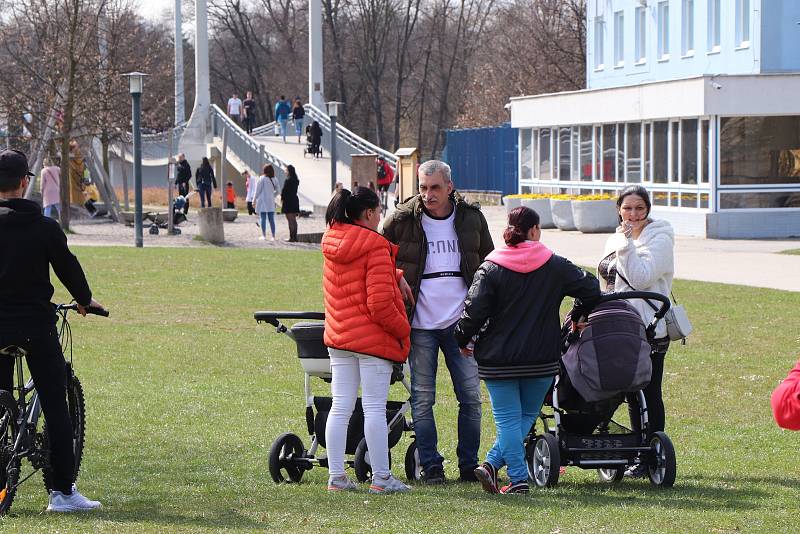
x=185, y=393
x=791, y=251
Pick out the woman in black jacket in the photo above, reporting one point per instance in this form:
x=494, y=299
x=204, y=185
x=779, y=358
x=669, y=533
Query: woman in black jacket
x=512, y=312
x=290, y=202
x=204, y=176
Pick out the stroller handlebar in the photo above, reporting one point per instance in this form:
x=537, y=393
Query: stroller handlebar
x=647, y=296
x=272, y=317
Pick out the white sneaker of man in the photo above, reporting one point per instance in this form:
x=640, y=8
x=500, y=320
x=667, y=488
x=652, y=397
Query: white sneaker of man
x=71, y=503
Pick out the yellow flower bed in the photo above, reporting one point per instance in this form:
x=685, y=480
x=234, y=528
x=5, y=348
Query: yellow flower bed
x=528, y=196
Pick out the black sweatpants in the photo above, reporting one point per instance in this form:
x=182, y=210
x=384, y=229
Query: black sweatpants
x=652, y=393
x=183, y=190
x=49, y=372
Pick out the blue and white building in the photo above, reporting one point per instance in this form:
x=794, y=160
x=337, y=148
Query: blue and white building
x=697, y=100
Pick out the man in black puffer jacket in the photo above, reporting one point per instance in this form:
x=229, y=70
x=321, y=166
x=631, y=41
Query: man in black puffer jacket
x=29, y=244
x=511, y=312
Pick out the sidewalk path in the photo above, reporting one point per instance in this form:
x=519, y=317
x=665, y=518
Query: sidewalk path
x=745, y=262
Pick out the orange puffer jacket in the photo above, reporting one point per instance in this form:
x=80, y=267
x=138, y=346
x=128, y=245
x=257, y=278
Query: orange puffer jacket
x=364, y=311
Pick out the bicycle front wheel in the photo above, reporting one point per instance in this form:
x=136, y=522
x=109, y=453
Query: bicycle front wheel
x=9, y=469
x=76, y=405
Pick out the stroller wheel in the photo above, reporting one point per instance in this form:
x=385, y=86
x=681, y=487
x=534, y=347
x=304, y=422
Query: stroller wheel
x=413, y=466
x=663, y=466
x=544, y=460
x=611, y=474
x=282, y=466
x=361, y=462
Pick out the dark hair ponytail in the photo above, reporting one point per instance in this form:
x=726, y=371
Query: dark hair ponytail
x=345, y=207
x=520, y=221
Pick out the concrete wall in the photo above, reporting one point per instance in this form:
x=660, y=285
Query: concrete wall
x=756, y=224
x=684, y=222
x=780, y=36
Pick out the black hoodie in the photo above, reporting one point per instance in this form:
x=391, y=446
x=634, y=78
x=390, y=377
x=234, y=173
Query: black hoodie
x=29, y=244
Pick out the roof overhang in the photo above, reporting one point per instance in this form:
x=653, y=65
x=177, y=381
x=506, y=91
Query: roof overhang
x=735, y=95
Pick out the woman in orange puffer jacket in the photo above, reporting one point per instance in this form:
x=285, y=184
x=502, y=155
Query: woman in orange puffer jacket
x=366, y=331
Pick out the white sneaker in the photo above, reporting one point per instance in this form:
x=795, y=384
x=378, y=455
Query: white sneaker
x=341, y=483
x=71, y=503
x=261, y=238
x=387, y=485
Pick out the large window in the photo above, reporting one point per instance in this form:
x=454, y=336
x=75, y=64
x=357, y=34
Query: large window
x=689, y=151
x=647, y=133
x=575, y=153
x=705, y=158
x=586, y=153
x=641, y=36
x=759, y=150
x=742, y=23
x=663, y=30
x=674, y=152
x=609, y=160
x=535, y=154
x=544, y=154
x=598, y=43
x=633, y=155
x=525, y=153
x=714, y=25
x=687, y=28
x=564, y=151
x=660, y=154
x=619, y=38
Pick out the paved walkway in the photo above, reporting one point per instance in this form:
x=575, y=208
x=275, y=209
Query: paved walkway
x=751, y=263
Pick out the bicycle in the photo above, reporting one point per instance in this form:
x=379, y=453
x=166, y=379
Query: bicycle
x=21, y=435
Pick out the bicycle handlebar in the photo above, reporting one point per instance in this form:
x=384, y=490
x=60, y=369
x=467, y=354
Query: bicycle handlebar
x=91, y=310
x=272, y=317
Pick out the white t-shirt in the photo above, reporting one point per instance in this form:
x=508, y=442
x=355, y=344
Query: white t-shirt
x=234, y=106
x=442, y=289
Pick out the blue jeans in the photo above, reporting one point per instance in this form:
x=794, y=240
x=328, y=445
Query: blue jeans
x=516, y=404
x=284, y=124
x=205, y=193
x=48, y=210
x=424, y=360
x=298, y=127
x=264, y=216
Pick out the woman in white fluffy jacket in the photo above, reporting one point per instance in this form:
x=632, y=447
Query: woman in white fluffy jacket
x=640, y=256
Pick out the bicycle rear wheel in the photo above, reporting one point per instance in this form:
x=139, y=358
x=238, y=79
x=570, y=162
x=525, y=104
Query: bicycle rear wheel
x=76, y=405
x=9, y=470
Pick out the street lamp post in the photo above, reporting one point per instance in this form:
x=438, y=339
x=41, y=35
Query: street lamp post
x=136, y=80
x=333, y=111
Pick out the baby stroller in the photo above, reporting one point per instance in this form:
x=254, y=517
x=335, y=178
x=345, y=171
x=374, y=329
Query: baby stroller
x=587, y=393
x=288, y=457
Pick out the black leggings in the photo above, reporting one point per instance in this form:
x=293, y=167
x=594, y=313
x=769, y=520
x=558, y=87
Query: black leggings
x=652, y=393
x=49, y=372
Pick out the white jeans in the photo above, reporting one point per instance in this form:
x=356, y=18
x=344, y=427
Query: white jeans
x=350, y=369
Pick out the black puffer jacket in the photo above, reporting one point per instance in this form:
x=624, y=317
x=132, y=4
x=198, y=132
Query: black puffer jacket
x=29, y=244
x=404, y=228
x=516, y=314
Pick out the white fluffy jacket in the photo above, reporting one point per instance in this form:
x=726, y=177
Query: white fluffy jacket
x=648, y=263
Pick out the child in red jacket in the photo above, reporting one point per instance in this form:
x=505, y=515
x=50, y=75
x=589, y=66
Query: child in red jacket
x=786, y=401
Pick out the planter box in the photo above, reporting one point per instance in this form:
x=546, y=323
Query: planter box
x=229, y=215
x=562, y=214
x=511, y=203
x=595, y=216
x=542, y=207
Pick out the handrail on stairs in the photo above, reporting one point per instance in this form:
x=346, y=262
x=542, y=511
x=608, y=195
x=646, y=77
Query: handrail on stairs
x=248, y=150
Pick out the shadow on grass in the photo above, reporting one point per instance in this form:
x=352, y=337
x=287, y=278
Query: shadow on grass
x=691, y=493
x=147, y=512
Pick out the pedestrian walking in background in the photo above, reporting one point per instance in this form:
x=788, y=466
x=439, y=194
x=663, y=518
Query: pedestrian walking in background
x=249, y=106
x=366, y=331
x=235, y=108
x=290, y=202
x=443, y=240
x=315, y=139
x=250, y=184
x=266, y=189
x=183, y=179
x=51, y=182
x=205, y=179
x=640, y=257
x=518, y=291
x=282, y=111
x=298, y=116
x=230, y=196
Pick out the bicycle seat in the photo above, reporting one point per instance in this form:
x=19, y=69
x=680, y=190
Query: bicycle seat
x=13, y=351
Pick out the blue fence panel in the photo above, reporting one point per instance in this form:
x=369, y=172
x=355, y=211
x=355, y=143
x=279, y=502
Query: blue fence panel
x=483, y=159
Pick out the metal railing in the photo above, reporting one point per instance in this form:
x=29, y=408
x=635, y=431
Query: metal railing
x=359, y=144
x=248, y=150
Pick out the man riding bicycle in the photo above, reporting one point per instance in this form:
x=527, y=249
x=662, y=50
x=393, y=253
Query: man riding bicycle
x=29, y=244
